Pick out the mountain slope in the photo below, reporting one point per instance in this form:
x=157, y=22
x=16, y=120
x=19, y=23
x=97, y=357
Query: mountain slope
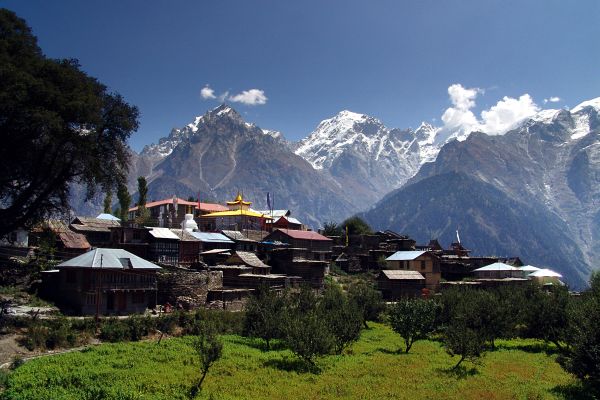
x=550, y=164
x=220, y=154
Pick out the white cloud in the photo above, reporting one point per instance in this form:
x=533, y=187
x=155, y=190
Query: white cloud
x=507, y=113
x=207, y=93
x=250, y=97
x=497, y=120
x=553, y=99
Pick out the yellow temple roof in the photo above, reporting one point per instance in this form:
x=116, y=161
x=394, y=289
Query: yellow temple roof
x=239, y=200
x=237, y=213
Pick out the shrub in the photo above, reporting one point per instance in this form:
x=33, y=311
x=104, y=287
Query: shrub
x=35, y=336
x=114, y=330
x=60, y=333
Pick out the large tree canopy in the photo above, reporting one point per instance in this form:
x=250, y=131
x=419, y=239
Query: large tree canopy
x=57, y=125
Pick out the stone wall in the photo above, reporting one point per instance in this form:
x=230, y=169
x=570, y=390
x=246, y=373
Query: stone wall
x=186, y=287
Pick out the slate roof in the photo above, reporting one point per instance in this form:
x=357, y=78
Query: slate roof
x=109, y=259
x=250, y=259
x=90, y=224
x=398, y=274
x=405, y=255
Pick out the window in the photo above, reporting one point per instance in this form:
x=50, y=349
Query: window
x=423, y=265
x=404, y=264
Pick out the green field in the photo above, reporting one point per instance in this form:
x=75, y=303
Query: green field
x=371, y=369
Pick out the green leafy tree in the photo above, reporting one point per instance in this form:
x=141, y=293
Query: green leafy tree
x=343, y=317
x=413, y=319
x=124, y=202
x=368, y=300
x=356, y=226
x=581, y=356
x=108, y=202
x=306, y=333
x=547, y=314
x=264, y=315
x=463, y=341
x=209, y=349
x=59, y=126
x=332, y=229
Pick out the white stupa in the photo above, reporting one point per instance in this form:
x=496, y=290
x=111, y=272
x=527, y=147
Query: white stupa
x=189, y=224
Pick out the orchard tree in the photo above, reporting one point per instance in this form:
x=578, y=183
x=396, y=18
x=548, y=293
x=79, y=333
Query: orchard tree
x=263, y=316
x=58, y=126
x=209, y=349
x=413, y=319
x=356, y=226
x=343, y=317
x=368, y=300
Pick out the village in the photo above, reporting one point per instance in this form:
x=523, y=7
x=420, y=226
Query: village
x=191, y=254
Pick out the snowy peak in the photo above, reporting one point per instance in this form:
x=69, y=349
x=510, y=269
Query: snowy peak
x=593, y=103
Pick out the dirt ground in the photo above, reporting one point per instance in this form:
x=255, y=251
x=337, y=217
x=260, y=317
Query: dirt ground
x=9, y=349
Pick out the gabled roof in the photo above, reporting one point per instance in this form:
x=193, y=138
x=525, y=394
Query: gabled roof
x=163, y=233
x=405, y=255
x=211, y=207
x=237, y=235
x=184, y=235
x=91, y=224
x=291, y=220
x=108, y=216
x=73, y=240
x=303, y=235
x=529, y=268
x=109, y=259
x=211, y=237
x=247, y=258
x=545, y=273
x=497, y=267
x=180, y=202
x=398, y=274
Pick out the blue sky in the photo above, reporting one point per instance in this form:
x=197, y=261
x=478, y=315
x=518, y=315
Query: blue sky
x=394, y=60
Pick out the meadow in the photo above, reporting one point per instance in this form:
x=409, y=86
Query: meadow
x=371, y=368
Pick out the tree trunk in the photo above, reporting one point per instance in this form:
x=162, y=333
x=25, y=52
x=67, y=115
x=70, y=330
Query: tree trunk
x=365, y=324
x=462, y=358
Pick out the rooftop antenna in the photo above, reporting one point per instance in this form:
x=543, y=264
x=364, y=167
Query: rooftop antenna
x=457, y=236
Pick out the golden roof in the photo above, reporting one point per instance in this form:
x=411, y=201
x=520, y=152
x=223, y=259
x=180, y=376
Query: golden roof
x=239, y=200
x=237, y=213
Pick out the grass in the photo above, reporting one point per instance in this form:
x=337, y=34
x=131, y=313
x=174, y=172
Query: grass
x=372, y=369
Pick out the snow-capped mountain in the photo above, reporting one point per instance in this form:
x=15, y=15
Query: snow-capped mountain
x=532, y=192
x=219, y=153
x=359, y=151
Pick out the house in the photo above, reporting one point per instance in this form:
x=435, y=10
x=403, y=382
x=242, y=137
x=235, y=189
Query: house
x=63, y=242
x=239, y=216
x=395, y=284
x=424, y=262
x=242, y=242
x=104, y=281
x=131, y=237
x=250, y=260
x=298, y=262
x=498, y=270
x=282, y=220
x=189, y=247
x=213, y=240
x=546, y=277
x=163, y=246
x=170, y=213
x=318, y=246
x=95, y=230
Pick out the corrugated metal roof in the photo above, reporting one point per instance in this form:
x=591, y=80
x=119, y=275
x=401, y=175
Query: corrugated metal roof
x=545, y=273
x=184, y=235
x=405, y=255
x=217, y=251
x=236, y=235
x=398, y=274
x=276, y=213
x=497, y=267
x=211, y=237
x=109, y=259
x=163, y=233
